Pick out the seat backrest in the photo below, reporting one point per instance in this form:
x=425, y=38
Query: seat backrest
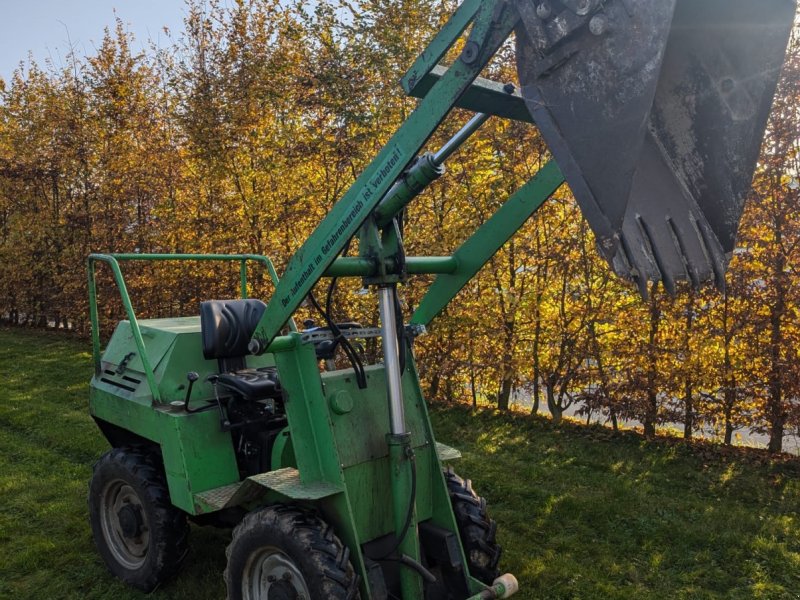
x=227, y=325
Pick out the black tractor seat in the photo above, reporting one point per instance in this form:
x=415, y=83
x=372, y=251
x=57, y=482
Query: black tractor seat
x=226, y=327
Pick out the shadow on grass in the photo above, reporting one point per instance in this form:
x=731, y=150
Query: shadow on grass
x=585, y=513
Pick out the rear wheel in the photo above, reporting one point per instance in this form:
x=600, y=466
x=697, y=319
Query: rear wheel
x=139, y=534
x=288, y=553
x=477, y=531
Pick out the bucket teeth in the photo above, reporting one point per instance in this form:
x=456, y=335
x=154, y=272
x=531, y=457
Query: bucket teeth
x=628, y=264
x=678, y=247
x=716, y=255
x=666, y=233
x=657, y=252
x=689, y=268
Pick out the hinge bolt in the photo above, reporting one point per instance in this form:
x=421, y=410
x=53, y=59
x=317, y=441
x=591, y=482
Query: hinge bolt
x=598, y=25
x=543, y=11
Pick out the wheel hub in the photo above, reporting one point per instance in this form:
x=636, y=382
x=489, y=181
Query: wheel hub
x=283, y=590
x=124, y=524
x=130, y=521
x=272, y=575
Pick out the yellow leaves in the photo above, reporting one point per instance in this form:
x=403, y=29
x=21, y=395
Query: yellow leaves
x=250, y=129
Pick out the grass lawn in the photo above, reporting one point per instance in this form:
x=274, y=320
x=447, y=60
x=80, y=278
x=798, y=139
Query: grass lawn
x=582, y=513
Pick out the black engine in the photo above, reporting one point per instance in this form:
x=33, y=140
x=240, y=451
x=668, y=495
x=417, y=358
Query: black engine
x=254, y=426
x=252, y=411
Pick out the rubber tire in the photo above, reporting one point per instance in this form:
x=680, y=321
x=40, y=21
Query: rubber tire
x=306, y=539
x=477, y=531
x=169, y=530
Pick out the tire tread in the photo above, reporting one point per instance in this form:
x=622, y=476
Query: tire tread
x=334, y=572
x=146, y=471
x=478, y=532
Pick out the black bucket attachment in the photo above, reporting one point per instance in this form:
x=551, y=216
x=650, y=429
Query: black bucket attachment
x=655, y=110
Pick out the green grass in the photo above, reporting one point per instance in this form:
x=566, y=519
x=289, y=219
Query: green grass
x=582, y=513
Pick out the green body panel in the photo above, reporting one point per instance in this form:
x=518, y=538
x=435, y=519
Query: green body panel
x=174, y=348
x=197, y=455
x=360, y=437
x=370, y=414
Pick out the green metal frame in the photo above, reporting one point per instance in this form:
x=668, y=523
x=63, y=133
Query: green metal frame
x=113, y=260
x=398, y=175
x=441, y=89
x=492, y=23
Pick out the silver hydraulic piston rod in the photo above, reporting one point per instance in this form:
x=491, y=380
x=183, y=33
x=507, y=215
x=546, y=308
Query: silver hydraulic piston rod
x=426, y=168
x=391, y=359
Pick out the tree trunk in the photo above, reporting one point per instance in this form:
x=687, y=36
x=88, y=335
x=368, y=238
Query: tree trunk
x=730, y=391
x=555, y=409
x=504, y=397
x=650, y=415
x=537, y=332
x=776, y=436
x=776, y=412
x=433, y=391
x=448, y=389
x=472, y=387
x=601, y=372
x=651, y=407
x=472, y=376
x=614, y=422
x=688, y=407
x=688, y=399
x=728, y=427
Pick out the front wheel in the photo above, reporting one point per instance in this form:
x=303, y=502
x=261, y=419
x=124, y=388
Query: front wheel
x=139, y=534
x=476, y=529
x=288, y=553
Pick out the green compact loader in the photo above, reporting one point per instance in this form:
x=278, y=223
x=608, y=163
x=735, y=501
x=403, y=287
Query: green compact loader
x=332, y=479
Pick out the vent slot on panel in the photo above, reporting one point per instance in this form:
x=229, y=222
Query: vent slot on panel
x=117, y=383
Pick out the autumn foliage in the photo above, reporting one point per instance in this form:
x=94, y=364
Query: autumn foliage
x=241, y=133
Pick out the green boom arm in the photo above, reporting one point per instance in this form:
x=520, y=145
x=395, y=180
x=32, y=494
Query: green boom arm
x=493, y=23
x=373, y=201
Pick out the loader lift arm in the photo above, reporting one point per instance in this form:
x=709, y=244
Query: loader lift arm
x=492, y=23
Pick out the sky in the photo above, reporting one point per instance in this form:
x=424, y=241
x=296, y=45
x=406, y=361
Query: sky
x=45, y=28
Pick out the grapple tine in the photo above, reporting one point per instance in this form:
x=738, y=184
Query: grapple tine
x=680, y=246
x=628, y=265
x=655, y=251
x=718, y=261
